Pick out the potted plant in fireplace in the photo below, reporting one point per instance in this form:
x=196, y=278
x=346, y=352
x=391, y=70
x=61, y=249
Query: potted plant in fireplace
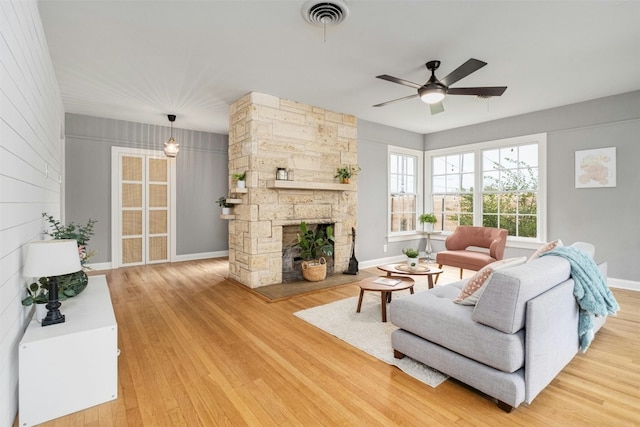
x=314, y=244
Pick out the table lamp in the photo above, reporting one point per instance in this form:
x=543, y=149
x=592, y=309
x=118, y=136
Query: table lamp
x=52, y=258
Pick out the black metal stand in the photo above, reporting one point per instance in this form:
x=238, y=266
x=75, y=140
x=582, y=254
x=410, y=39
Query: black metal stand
x=53, y=306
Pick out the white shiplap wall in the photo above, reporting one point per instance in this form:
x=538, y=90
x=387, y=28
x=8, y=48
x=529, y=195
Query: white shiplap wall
x=31, y=159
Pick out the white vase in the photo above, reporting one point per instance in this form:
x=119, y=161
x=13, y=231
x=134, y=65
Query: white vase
x=226, y=211
x=241, y=184
x=412, y=263
x=428, y=227
x=41, y=312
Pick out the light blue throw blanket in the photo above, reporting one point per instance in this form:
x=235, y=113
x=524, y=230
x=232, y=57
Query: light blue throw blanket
x=590, y=289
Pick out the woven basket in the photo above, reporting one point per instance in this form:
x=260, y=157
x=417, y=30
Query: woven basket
x=314, y=271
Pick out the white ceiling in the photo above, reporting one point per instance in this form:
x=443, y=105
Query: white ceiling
x=141, y=60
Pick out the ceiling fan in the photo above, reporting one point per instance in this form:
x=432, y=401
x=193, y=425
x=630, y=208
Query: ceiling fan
x=434, y=90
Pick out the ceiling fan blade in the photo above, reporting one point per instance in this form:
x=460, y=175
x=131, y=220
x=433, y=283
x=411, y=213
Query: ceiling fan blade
x=399, y=81
x=478, y=91
x=436, y=108
x=396, y=100
x=471, y=66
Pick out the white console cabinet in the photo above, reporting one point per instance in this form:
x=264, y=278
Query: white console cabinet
x=70, y=366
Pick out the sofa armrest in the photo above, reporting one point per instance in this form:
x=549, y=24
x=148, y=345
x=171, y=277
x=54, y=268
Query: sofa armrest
x=551, y=336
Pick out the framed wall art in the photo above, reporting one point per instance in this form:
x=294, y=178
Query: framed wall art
x=596, y=168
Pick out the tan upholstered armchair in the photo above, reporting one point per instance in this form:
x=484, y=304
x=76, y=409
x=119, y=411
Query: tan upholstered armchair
x=457, y=254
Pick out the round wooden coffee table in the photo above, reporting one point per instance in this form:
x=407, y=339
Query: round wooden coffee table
x=403, y=268
x=369, y=284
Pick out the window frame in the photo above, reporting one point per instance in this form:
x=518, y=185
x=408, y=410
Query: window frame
x=477, y=148
x=419, y=180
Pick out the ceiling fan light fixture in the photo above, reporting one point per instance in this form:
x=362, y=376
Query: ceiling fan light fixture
x=432, y=95
x=171, y=147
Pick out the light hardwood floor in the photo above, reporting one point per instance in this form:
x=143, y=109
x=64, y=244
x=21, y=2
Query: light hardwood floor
x=200, y=350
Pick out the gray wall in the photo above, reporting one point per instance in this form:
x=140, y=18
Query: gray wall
x=606, y=217
x=201, y=169
x=373, y=140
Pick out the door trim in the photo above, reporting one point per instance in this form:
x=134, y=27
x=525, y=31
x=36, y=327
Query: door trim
x=115, y=200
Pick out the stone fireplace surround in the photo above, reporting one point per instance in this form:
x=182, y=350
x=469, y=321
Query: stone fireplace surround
x=265, y=133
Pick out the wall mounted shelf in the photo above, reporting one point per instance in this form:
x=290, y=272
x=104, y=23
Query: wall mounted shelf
x=227, y=217
x=305, y=185
x=234, y=201
x=239, y=190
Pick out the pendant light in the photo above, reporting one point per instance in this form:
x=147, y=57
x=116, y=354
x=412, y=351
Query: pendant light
x=171, y=147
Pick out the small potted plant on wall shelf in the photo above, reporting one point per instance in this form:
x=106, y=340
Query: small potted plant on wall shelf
x=346, y=172
x=226, y=208
x=240, y=179
x=428, y=219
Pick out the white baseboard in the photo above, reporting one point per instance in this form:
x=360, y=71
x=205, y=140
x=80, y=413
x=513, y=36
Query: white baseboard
x=381, y=261
x=99, y=266
x=623, y=284
x=202, y=255
x=189, y=257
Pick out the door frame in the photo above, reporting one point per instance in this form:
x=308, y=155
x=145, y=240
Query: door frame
x=116, y=235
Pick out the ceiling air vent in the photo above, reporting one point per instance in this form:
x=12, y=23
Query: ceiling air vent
x=325, y=13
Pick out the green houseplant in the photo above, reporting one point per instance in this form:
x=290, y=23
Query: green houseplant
x=412, y=257
x=429, y=219
x=346, y=172
x=69, y=285
x=314, y=244
x=240, y=179
x=226, y=207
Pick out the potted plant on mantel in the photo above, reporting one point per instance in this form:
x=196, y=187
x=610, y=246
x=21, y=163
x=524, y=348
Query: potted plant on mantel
x=226, y=208
x=412, y=257
x=313, y=244
x=240, y=179
x=346, y=172
x=428, y=219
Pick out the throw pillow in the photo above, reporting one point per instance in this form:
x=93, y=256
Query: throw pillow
x=545, y=248
x=473, y=289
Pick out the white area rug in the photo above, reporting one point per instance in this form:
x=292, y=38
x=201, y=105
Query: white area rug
x=366, y=331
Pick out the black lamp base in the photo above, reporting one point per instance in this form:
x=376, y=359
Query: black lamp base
x=53, y=306
x=53, y=321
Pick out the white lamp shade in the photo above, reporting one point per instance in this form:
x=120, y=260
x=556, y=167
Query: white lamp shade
x=432, y=97
x=49, y=258
x=171, y=148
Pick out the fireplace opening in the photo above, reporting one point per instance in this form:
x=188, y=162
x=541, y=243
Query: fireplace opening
x=291, y=260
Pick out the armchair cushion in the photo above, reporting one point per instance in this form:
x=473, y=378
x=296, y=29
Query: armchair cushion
x=457, y=255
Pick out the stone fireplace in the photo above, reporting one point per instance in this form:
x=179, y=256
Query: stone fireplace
x=267, y=133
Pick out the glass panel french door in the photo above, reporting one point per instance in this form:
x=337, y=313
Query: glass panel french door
x=144, y=190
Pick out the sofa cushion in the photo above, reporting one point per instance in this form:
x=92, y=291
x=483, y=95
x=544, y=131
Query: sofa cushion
x=545, y=248
x=434, y=316
x=503, y=302
x=472, y=290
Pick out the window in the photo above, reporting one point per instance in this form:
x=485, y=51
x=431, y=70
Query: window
x=405, y=177
x=493, y=184
x=452, y=190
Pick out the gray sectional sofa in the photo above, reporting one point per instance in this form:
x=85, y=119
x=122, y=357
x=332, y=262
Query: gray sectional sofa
x=521, y=333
